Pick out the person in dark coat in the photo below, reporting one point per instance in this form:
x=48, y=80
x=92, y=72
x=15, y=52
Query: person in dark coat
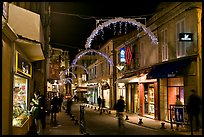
x=120, y=107
x=99, y=102
x=54, y=111
x=39, y=111
x=193, y=109
x=69, y=106
x=60, y=100
x=103, y=103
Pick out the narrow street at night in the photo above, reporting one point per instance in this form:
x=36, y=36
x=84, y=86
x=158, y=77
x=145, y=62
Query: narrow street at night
x=105, y=124
x=102, y=68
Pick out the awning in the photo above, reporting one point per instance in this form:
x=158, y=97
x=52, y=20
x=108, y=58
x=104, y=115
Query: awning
x=134, y=76
x=169, y=69
x=33, y=50
x=28, y=27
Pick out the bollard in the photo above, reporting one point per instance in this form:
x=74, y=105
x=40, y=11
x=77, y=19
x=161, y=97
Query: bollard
x=162, y=126
x=126, y=117
x=95, y=108
x=140, y=121
x=91, y=107
x=109, y=112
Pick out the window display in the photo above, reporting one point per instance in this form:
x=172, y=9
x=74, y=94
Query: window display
x=20, y=114
x=151, y=99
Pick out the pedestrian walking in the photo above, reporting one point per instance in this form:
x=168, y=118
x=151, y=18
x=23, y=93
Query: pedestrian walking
x=60, y=100
x=54, y=111
x=99, y=102
x=69, y=105
x=43, y=109
x=120, y=107
x=103, y=102
x=193, y=110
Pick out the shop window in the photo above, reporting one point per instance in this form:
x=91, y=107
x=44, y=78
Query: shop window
x=20, y=104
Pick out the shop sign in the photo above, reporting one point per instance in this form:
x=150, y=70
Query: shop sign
x=122, y=55
x=171, y=75
x=185, y=37
x=128, y=56
x=22, y=65
x=179, y=114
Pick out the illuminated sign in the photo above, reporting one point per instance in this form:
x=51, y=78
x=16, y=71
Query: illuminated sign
x=22, y=65
x=122, y=55
x=185, y=37
x=128, y=56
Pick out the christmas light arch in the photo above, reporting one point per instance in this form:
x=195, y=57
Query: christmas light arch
x=67, y=71
x=91, y=50
x=80, y=66
x=96, y=31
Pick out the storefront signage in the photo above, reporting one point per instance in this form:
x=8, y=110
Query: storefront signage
x=185, y=37
x=122, y=55
x=128, y=56
x=22, y=65
x=171, y=75
x=179, y=114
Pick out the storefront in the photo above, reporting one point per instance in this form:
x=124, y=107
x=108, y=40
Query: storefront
x=149, y=102
x=21, y=47
x=104, y=86
x=174, y=78
x=21, y=120
x=148, y=97
x=93, y=93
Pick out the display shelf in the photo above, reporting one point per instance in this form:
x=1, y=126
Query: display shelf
x=24, y=128
x=20, y=120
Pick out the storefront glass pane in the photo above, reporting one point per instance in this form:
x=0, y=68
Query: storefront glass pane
x=20, y=105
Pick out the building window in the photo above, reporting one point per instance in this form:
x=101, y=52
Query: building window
x=180, y=45
x=164, y=45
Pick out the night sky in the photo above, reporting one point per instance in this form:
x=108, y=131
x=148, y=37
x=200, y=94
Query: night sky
x=73, y=22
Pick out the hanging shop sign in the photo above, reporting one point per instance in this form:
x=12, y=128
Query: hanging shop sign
x=122, y=55
x=186, y=37
x=22, y=65
x=128, y=55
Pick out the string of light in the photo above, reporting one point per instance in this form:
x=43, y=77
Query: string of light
x=100, y=18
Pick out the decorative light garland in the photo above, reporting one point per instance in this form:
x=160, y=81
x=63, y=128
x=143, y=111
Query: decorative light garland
x=65, y=72
x=96, y=31
x=80, y=66
x=91, y=50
